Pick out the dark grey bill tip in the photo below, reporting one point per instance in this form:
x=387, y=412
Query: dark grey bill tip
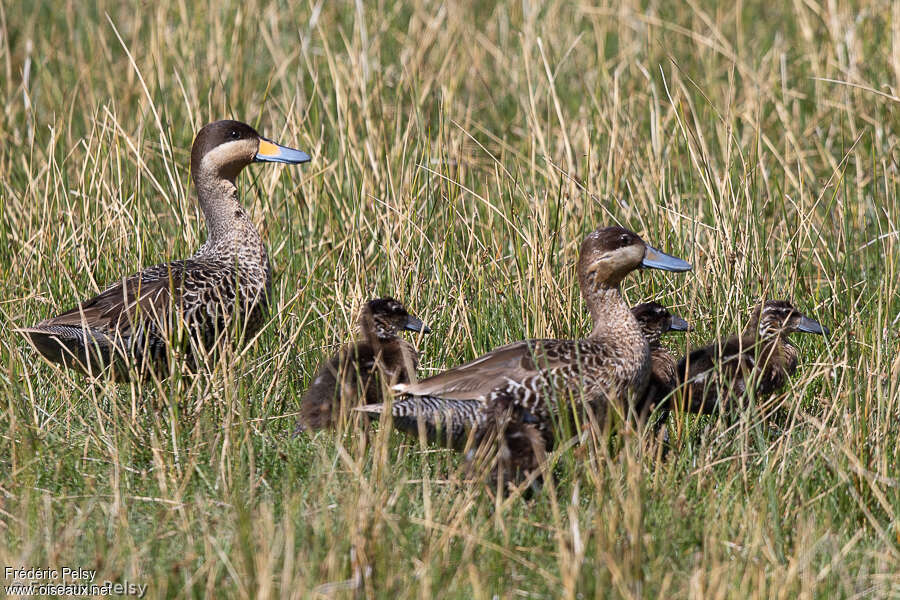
x=808, y=325
x=416, y=324
x=679, y=324
x=657, y=259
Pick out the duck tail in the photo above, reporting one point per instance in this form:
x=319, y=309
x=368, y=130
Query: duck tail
x=373, y=410
x=437, y=420
x=86, y=350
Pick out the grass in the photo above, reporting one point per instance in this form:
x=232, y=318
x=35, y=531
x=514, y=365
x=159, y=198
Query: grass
x=460, y=153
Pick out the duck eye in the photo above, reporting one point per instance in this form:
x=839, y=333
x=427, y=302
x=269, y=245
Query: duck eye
x=624, y=239
x=234, y=134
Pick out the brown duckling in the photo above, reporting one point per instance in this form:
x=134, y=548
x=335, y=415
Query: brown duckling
x=762, y=359
x=537, y=381
x=219, y=294
x=359, y=370
x=656, y=321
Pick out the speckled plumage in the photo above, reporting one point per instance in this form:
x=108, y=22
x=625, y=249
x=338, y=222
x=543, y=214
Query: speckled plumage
x=220, y=294
x=359, y=371
x=539, y=383
x=717, y=375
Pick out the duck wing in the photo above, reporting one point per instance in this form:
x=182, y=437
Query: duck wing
x=99, y=331
x=717, y=371
x=735, y=352
x=138, y=313
x=444, y=422
x=115, y=310
x=514, y=362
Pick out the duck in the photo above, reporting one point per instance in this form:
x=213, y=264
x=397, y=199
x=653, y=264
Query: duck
x=359, y=371
x=759, y=361
x=534, y=382
x=218, y=295
x=448, y=421
x=656, y=321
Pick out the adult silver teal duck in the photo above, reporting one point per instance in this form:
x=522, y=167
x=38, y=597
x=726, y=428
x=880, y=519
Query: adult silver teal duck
x=218, y=295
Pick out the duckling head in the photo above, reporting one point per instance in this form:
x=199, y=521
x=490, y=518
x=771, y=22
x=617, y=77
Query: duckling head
x=609, y=254
x=779, y=317
x=223, y=148
x=385, y=317
x=655, y=320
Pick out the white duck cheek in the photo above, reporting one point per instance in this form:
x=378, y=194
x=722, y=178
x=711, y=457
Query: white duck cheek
x=229, y=155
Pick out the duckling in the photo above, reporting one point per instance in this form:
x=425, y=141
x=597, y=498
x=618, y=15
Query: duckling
x=448, y=421
x=761, y=358
x=532, y=381
x=355, y=373
x=655, y=321
x=225, y=284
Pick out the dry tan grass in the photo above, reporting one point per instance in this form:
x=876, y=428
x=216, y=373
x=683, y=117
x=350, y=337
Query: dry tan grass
x=461, y=151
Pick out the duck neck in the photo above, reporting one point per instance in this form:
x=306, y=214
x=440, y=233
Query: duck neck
x=228, y=226
x=789, y=353
x=610, y=313
x=372, y=333
x=778, y=352
x=781, y=341
x=653, y=336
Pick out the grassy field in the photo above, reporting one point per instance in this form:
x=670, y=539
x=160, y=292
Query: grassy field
x=460, y=153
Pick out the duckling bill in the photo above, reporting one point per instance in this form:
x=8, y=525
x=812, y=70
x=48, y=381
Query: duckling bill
x=358, y=372
x=759, y=361
x=220, y=294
